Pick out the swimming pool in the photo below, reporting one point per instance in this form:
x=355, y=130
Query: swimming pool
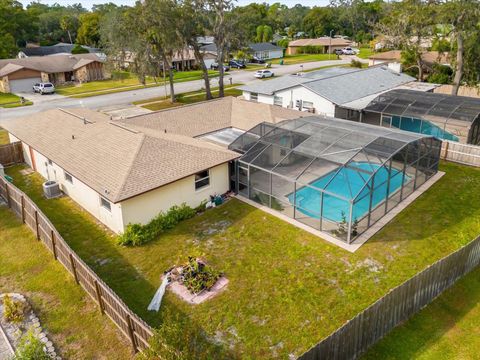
x=347, y=183
x=422, y=127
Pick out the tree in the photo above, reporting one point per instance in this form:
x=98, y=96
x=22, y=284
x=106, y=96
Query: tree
x=67, y=24
x=79, y=49
x=16, y=26
x=264, y=33
x=463, y=17
x=319, y=21
x=88, y=32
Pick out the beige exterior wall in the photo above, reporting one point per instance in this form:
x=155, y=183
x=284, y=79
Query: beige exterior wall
x=142, y=208
x=44, y=77
x=4, y=85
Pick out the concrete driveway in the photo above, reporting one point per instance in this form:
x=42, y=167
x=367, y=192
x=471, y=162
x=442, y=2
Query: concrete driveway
x=38, y=98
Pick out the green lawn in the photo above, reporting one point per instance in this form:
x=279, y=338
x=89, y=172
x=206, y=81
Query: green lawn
x=186, y=98
x=8, y=100
x=288, y=289
x=4, y=137
x=122, y=81
x=70, y=317
x=303, y=58
x=365, y=53
x=446, y=329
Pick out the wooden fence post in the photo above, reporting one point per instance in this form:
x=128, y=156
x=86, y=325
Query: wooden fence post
x=99, y=297
x=8, y=194
x=74, y=269
x=130, y=332
x=446, y=150
x=52, y=237
x=36, y=225
x=23, y=208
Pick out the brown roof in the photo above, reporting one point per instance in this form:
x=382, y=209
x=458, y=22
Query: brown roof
x=116, y=161
x=428, y=57
x=322, y=41
x=209, y=116
x=48, y=64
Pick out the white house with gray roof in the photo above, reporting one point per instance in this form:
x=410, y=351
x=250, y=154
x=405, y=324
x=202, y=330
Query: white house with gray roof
x=324, y=91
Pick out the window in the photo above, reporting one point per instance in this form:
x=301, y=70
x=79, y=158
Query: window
x=298, y=104
x=202, y=179
x=68, y=177
x=50, y=162
x=277, y=100
x=254, y=96
x=307, y=105
x=105, y=204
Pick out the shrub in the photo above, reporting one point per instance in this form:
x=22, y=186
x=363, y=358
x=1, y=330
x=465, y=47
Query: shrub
x=310, y=49
x=30, y=348
x=197, y=276
x=356, y=63
x=137, y=234
x=14, y=310
x=79, y=49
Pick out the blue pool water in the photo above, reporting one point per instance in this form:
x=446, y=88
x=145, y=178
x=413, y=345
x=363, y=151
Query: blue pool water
x=427, y=128
x=308, y=199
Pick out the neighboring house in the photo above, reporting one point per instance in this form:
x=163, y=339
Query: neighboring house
x=327, y=44
x=265, y=50
x=58, y=49
x=129, y=171
x=19, y=75
x=326, y=91
x=428, y=57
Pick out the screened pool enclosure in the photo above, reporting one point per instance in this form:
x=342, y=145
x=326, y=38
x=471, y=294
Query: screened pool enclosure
x=336, y=176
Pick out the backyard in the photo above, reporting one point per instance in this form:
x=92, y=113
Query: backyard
x=122, y=81
x=286, y=291
x=72, y=320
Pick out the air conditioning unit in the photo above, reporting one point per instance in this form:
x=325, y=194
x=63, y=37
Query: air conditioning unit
x=51, y=189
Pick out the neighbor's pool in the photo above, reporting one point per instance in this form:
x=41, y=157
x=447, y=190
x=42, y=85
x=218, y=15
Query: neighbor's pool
x=308, y=199
x=422, y=127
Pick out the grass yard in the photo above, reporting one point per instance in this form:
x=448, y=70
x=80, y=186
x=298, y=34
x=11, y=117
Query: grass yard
x=123, y=81
x=8, y=100
x=446, y=329
x=303, y=58
x=288, y=289
x=186, y=98
x=365, y=53
x=4, y=137
x=70, y=317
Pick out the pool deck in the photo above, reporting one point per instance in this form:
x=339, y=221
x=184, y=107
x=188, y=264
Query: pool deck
x=363, y=238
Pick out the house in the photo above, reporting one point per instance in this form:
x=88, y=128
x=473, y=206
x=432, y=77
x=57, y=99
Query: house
x=326, y=91
x=326, y=44
x=265, y=50
x=428, y=57
x=58, y=49
x=19, y=75
x=447, y=117
x=129, y=171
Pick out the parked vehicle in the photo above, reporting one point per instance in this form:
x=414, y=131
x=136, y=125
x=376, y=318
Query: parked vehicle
x=237, y=64
x=263, y=74
x=214, y=66
x=257, y=60
x=348, y=51
x=338, y=51
x=44, y=88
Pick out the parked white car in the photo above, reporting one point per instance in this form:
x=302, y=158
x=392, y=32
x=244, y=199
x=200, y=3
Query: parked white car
x=349, y=51
x=263, y=74
x=44, y=88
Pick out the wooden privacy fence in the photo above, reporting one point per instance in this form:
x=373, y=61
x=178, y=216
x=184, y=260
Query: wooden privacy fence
x=461, y=153
x=134, y=328
x=369, y=326
x=11, y=154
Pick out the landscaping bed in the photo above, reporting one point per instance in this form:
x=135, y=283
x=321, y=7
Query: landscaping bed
x=287, y=288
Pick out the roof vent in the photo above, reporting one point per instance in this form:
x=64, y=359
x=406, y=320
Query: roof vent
x=51, y=189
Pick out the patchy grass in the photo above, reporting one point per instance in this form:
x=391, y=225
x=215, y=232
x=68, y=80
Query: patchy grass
x=303, y=58
x=446, y=329
x=8, y=100
x=70, y=317
x=365, y=53
x=288, y=289
x=4, y=137
x=123, y=81
x=188, y=98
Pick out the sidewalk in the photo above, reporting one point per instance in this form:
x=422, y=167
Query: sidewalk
x=5, y=349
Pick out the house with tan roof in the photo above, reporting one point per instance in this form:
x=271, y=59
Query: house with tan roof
x=428, y=57
x=324, y=42
x=128, y=171
x=19, y=75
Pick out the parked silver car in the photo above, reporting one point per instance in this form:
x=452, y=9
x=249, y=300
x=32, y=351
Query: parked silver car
x=263, y=74
x=44, y=88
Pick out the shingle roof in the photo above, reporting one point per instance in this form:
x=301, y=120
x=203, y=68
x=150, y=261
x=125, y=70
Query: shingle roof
x=10, y=68
x=51, y=64
x=59, y=48
x=116, y=161
x=428, y=56
x=322, y=41
x=264, y=46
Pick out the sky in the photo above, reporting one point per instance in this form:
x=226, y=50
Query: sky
x=88, y=3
